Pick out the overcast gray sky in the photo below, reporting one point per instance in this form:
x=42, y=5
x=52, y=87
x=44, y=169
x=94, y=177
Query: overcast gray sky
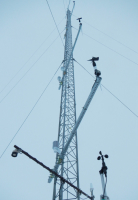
x=107, y=126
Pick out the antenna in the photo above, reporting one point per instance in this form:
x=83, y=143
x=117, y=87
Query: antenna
x=73, y=7
x=69, y=3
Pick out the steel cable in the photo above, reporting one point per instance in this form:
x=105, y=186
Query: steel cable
x=30, y=112
x=55, y=22
x=109, y=36
x=110, y=92
x=27, y=71
x=28, y=60
x=109, y=48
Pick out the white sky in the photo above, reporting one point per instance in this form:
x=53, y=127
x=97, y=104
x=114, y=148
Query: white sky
x=107, y=126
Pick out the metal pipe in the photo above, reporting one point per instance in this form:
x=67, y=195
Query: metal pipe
x=53, y=172
x=73, y=46
x=73, y=7
x=103, y=184
x=93, y=90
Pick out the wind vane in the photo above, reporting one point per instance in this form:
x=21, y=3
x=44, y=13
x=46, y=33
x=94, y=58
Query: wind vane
x=97, y=72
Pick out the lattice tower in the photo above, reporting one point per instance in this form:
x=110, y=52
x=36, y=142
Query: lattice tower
x=69, y=167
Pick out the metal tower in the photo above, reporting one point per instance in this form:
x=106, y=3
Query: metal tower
x=69, y=167
x=66, y=169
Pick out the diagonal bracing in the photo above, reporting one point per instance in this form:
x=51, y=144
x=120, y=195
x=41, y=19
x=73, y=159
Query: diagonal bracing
x=69, y=165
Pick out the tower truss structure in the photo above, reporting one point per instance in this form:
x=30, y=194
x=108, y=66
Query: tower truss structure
x=69, y=167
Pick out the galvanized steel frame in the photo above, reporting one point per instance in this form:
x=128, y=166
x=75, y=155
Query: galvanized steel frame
x=69, y=167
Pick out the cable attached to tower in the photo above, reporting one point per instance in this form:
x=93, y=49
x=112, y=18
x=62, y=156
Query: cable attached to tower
x=28, y=70
x=30, y=112
x=109, y=91
x=54, y=22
